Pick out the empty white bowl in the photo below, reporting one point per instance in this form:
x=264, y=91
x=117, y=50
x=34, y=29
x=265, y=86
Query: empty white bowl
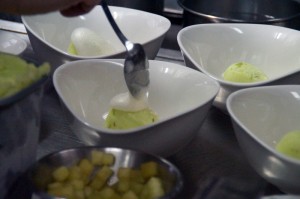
x=212, y=48
x=261, y=116
x=179, y=95
x=50, y=33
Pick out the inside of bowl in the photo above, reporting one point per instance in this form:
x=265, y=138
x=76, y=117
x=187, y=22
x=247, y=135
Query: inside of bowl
x=214, y=47
x=267, y=112
x=87, y=87
x=55, y=30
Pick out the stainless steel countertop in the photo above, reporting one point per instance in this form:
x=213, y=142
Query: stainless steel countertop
x=213, y=164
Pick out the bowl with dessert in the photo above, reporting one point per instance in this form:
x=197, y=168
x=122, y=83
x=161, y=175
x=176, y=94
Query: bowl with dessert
x=58, y=39
x=242, y=55
x=265, y=121
x=100, y=110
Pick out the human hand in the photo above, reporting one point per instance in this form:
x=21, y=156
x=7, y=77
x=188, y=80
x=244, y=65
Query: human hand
x=81, y=7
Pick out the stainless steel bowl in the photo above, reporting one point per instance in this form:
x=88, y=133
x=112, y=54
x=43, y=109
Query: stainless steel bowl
x=275, y=12
x=40, y=173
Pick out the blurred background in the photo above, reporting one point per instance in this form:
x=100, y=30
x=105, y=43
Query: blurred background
x=183, y=13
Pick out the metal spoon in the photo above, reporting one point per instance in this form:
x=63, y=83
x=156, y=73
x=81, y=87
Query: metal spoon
x=136, y=64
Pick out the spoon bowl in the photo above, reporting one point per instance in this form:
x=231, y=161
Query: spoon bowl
x=136, y=62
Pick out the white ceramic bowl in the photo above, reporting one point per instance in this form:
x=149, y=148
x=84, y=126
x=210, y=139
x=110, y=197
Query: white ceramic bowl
x=261, y=116
x=179, y=95
x=50, y=33
x=211, y=48
x=12, y=43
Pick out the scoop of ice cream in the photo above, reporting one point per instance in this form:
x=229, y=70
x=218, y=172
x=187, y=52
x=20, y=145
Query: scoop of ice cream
x=118, y=119
x=290, y=144
x=244, y=73
x=127, y=112
x=85, y=42
x=16, y=74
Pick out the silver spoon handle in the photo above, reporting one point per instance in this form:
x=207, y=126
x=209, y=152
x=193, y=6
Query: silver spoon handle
x=113, y=23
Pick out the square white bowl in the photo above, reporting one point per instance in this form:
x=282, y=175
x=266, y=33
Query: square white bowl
x=212, y=48
x=50, y=33
x=261, y=116
x=179, y=95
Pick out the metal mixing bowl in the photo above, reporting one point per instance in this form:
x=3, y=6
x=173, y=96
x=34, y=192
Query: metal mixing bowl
x=275, y=12
x=40, y=173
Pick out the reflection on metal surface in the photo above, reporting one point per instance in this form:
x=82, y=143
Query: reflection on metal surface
x=279, y=12
x=220, y=100
x=272, y=167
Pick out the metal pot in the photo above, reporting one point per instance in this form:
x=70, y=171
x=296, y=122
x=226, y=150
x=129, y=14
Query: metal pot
x=275, y=12
x=153, y=6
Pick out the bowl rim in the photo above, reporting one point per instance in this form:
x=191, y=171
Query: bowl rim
x=229, y=104
x=137, y=129
x=228, y=25
x=161, y=160
x=117, y=53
